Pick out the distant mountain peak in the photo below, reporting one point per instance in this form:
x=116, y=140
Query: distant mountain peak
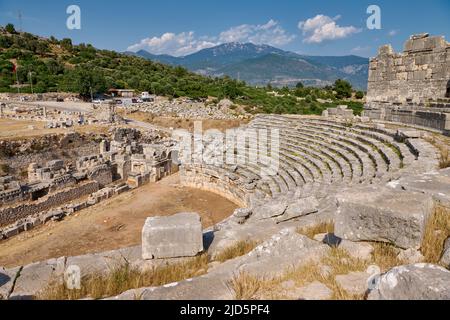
x=261, y=63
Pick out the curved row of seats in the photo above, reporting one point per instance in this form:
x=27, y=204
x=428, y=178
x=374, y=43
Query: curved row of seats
x=314, y=154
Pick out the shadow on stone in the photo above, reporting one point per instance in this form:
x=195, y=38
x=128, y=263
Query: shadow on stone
x=332, y=240
x=4, y=279
x=208, y=238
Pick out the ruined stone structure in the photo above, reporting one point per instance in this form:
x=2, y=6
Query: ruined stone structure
x=119, y=165
x=412, y=87
x=369, y=181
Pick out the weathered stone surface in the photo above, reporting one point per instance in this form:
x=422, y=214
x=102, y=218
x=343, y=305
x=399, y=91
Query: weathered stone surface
x=35, y=277
x=445, y=260
x=315, y=291
x=285, y=249
x=354, y=283
x=434, y=183
x=299, y=208
x=271, y=209
x=241, y=215
x=176, y=236
x=374, y=214
x=358, y=250
x=7, y=277
x=411, y=256
x=413, y=282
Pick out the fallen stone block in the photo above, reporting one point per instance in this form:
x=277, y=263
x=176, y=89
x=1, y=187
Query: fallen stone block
x=413, y=282
x=354, y=283
x=175, y=236
x=371, y=214
x=241, y=215
x=272, y=209
x=35, y=277
x=315, y=291
x=411, y=256
x=7, y=278
x=299, y=208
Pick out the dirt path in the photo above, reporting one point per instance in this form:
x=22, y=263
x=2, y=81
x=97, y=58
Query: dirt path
x=113, y=224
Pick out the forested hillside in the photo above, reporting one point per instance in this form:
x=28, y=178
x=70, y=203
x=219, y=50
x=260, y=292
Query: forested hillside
x=52, y=65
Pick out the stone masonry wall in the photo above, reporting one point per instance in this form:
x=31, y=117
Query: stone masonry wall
x=12, y=214
x=419, y=74
x=411, y=87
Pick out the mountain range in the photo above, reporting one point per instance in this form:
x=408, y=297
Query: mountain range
x=263, y=64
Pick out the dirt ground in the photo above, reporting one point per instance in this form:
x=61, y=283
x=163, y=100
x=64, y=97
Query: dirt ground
x=19, y=129
x=113, y=224
x=187, y=124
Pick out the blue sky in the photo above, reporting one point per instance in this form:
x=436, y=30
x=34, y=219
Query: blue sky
x=179, y=27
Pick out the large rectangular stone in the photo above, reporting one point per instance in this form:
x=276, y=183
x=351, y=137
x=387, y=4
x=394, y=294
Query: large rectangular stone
x=175, y=236
x=383, y=215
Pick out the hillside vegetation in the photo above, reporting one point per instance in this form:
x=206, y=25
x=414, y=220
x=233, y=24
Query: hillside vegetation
x=52, y=65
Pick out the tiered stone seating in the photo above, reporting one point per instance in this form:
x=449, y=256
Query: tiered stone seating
x=317, y=156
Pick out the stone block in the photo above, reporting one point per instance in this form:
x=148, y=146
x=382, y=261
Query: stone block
x=413, y=282
x=383, y=215
x=355, y=283
x=315, y=291
x=175, y=236
x=299, y=208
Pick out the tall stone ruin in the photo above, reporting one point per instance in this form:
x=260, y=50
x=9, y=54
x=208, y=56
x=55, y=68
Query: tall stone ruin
x=412, y=87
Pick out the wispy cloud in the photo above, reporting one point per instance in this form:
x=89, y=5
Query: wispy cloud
x=361, y=49
x=392, y=33
x=321, y=28
x=175, y=44
x=184, y=43
x=270, y=33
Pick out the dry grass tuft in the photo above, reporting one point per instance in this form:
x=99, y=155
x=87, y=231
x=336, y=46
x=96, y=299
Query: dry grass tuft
x=444, y=161
x=338, y=262
x=239, y=249
x=442, y=146
x=246, y=286
x=310, y=232
x=436, y=232
x=125, y=277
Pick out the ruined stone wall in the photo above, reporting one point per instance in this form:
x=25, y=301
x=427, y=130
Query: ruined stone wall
x=12, y=214
x=419, y=74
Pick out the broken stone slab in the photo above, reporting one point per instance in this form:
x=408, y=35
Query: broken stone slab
x=35, y=277
x=354, y=283
x=299, y=208
x=411, y=256
x=413, y=282
x=272, y=209
x=357, y=250
x=383, y=215
x=7, y=278
x=283, y=250
x=314, y=291
x=175, y=236
x=404, y=134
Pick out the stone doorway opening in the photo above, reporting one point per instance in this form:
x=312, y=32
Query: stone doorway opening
x=447, y=94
